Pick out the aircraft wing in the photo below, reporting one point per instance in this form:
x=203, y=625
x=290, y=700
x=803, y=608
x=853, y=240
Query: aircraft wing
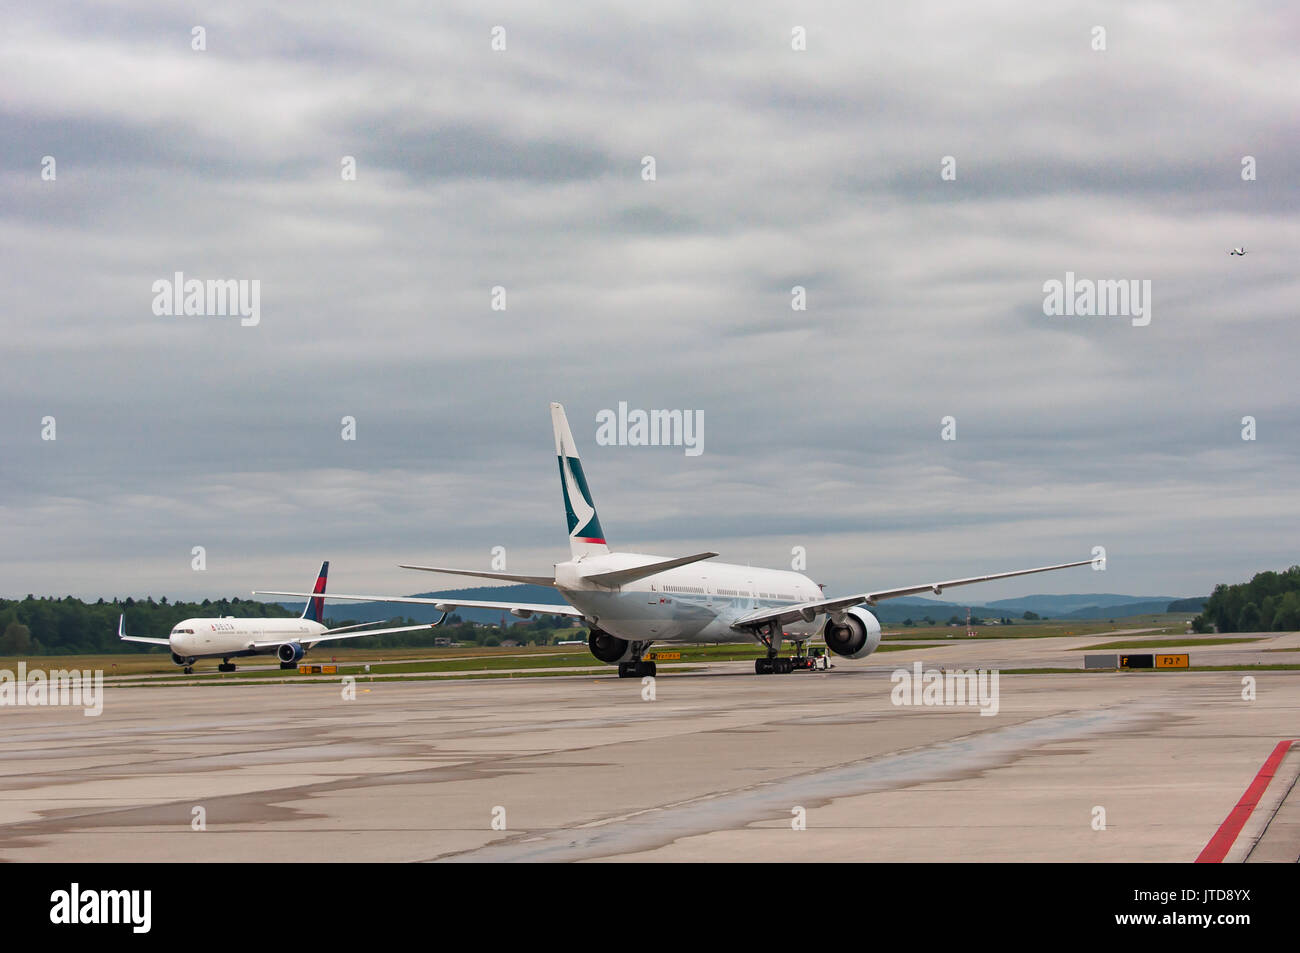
x=344, y=633
x=121, y=634
x=349, y=628
x=807, y=611
x=442, y=605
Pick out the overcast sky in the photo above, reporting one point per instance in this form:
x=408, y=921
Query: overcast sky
x=523, y=168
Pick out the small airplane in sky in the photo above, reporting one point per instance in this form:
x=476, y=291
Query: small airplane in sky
x=226, y=637
x=1237, y=251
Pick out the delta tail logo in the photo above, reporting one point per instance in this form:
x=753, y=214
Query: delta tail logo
x=315, y=608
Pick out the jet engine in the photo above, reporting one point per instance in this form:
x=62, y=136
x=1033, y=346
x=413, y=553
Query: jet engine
x=856, y=636
x=609, y=648
x=289, y=653
x=182, y=660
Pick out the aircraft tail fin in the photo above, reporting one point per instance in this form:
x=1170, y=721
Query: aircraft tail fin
x=314, y=611
x=586, y=538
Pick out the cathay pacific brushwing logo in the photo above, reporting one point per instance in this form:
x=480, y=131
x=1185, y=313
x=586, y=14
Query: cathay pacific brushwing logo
x=583, y=524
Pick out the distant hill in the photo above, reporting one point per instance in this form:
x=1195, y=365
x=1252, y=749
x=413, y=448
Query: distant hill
x=1076, y=606
x=1061, y=606
x=1126, y=609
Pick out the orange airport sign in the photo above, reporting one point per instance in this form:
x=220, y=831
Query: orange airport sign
x=1171, y=661
x=662, y=657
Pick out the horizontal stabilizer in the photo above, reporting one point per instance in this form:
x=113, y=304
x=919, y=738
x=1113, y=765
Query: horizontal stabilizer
x=506, y=576
x=521, y=609
x=620, y=577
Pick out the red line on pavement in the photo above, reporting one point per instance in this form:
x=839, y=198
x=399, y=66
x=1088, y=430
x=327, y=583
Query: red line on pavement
x=1226, y=835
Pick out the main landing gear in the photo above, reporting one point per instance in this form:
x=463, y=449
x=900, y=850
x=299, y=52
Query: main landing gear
x=637, y=668
x=784, y=666
x=770, y=636
x=226, y=666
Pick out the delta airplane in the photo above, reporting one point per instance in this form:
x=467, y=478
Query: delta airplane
x=631, y=600
x=227, y=637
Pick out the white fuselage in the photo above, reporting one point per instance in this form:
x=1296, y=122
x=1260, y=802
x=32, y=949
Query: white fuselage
x=693, y=603
x=229, y=637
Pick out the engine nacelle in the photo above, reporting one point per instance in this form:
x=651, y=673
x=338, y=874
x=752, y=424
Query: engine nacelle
x=856, y=637
x=182, y=660
x=289, y=652
x=609, y=648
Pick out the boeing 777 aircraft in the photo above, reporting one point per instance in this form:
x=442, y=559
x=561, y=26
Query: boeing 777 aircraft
x=631, y=600
x=227, y=637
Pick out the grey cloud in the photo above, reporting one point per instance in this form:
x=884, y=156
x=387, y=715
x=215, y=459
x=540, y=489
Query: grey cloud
x=822, y=427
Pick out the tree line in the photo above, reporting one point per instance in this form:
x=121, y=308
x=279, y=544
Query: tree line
x=1270, y=602
x=69, y=626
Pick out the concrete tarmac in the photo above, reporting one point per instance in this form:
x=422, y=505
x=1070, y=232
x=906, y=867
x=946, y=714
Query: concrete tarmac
x=721, y=765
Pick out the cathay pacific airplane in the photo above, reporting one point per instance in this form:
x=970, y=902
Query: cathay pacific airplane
x=631, y=600
x=227, y=637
